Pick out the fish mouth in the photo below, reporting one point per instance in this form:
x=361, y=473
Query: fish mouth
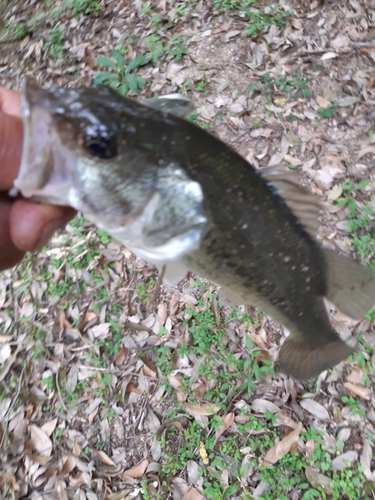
x=36, y=151
x=42, y=175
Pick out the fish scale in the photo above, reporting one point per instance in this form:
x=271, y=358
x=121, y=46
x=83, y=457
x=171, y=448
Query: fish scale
x=182, y=199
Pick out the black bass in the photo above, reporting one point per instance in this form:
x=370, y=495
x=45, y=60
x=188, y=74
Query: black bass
x=178, y=197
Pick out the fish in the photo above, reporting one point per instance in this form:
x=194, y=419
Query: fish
x=183, y=200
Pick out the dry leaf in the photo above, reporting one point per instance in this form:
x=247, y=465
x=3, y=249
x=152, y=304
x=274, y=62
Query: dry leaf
x=133, y=388
x=71, y=379
x=39, y=441
x=314, y=408
x=263, y=405
x=152, y=421
x=293, y=161
x=49, y=427
x=334, y=194
x=297, y=24
x=175, y=381
x=344, y=460
x=318, y=480
x=227, y=422
x=366, y=458
x=192, y=469
x=324, y=103
x=329, y=55
x=162, y=313
x=203, y=453
x=202, y=409
x=358, y=390
x=182, y=491
x=7, y=366
x=68, y=466
x=283, y=447
x=104, y=457
x=121, y=356
x=138, y=470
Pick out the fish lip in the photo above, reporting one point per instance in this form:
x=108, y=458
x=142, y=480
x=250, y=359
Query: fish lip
x=31, y=176
x=46, y=172
x=26, y=121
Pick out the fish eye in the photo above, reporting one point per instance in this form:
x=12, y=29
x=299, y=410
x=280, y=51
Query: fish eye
x=99, y=142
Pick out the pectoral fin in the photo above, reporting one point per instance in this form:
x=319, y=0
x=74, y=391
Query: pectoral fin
x=174, y=272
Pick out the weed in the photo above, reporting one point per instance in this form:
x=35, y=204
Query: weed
x=54, y=45
x=355, y=406
x=21, y=31
x=199, y=87
x=360, y=223
x=86, y=7
x=348, y=484
x=78, y=8
x=38, y=334
x=58, y=435
x=112, y=345
x=222, y=5
x=110, y=414
x=363, y=357
x=175, y=47
x=121, y=78
x=295, y=87
x=144, y=290
x=193, y=118
x=325, y=112
x=199, y=284
x=259, y=20
x=256, y=123
x=39, y=350
x=155, y=47
x=104, y=236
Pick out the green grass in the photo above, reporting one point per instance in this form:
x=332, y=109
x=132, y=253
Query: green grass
x=55, y=42
x=159, y=50
x=296, y=87
x=121, y=77
x=77, y=8
x=258, y=19
x=361, y=230
x=85, y=7
x=328, y=112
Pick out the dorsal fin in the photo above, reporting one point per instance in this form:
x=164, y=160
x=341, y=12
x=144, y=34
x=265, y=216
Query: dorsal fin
x=175, y=104
x=304, y=205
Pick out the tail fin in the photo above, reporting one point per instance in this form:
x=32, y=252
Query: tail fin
x=303, y=360
x=351, y=287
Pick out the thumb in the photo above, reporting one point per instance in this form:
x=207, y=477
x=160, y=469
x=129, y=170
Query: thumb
x=11, y=138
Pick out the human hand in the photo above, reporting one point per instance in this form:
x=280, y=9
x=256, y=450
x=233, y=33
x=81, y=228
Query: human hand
x=24, y=225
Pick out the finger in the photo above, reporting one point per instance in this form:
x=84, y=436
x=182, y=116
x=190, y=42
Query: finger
x=11, y=138
x=10, y=102
x=32, y=224
x=9, y=254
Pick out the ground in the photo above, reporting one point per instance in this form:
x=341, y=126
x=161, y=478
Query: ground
x=107, y=394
